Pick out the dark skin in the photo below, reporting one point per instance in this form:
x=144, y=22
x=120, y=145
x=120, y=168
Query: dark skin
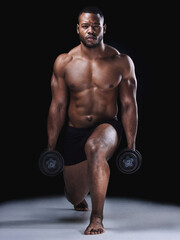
x=94, y=74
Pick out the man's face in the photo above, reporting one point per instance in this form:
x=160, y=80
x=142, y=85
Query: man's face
x=91, y=29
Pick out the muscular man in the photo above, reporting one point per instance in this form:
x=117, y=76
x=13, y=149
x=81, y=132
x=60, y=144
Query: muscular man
x=88, y=83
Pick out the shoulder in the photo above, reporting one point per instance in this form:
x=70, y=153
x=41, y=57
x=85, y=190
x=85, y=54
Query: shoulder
x=127, y=64
x=111, y=51
x=127, y=60
x=124, y=63
x=61, y=61
x=127, y=67
x=64, y=59
x=122, y=58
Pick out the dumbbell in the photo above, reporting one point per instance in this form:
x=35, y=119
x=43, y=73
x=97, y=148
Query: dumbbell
x=128, y=161
x=51, y=163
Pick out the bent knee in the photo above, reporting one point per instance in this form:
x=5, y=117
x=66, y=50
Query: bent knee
x=74, y=197
x=95, y=148
x=102, y=147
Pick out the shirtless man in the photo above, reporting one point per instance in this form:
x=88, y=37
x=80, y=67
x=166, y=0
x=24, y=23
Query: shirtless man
x=88, y=83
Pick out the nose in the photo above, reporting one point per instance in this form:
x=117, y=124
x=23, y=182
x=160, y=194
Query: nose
x=90, y=30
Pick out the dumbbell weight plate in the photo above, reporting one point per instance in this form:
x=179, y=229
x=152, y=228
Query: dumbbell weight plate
x=51, y=163
x=128, y=161
x=139, y=159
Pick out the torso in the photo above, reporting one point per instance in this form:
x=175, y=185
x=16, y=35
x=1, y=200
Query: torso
x=93, y=87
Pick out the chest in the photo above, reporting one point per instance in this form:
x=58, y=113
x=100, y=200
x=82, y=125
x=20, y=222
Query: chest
x=81, y=75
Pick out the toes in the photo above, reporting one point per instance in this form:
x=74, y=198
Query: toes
x=83, y=206
x=81, y=209
x=99, y=230
x=94, y=231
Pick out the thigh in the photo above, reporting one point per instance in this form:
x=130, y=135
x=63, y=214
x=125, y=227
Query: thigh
x=76, y=181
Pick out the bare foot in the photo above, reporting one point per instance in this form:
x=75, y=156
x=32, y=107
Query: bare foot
x=95, y=226
x=83, y=206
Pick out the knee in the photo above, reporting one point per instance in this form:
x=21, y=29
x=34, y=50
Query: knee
x=95, y=149
x=96, y=157
x=72, y=197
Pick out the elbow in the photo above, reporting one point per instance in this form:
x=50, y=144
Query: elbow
x=126, y=105
x=58, y=106
x=129, y=106
x=61, y=106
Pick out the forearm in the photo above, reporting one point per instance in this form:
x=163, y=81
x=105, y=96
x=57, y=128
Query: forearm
x=129, y=115
x=55, y=122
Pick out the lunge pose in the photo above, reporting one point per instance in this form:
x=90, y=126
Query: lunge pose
x=88, y=83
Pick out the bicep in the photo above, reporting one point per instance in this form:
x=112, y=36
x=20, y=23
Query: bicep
x=127, y=89
x=128, y=84
x=59, y=90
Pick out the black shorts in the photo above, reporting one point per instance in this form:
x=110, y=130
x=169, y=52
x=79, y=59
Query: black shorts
x=75, y=140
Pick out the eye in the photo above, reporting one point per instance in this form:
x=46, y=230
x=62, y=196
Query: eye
x=85, y=26
x=96, y=26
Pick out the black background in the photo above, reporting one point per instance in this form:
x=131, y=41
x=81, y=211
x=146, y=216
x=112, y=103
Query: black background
x=33, y=36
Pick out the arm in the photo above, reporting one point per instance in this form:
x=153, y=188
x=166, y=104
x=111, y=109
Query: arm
x=57, y=110
x=129, y=109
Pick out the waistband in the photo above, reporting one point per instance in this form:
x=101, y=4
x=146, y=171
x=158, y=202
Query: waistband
x=94, y=126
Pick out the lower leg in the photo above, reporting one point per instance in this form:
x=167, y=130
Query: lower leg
x=98, y=173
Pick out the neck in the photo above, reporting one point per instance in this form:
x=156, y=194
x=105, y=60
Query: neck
x=92, y=53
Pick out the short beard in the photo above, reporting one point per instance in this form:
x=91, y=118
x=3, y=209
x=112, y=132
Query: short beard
x=91, y=45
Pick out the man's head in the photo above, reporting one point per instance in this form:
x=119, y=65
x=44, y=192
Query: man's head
x=91, y=27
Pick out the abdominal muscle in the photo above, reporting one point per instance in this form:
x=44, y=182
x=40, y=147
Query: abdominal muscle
x=88, y=108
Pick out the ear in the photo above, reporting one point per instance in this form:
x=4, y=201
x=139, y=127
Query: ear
x=104, y=28
x=77, y=28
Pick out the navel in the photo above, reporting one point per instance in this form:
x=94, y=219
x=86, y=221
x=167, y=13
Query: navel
x=89, y=118
x=72, y=86
x=111, y=86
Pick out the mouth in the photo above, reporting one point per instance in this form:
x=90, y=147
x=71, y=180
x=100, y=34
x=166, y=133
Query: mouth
x=91, y=38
